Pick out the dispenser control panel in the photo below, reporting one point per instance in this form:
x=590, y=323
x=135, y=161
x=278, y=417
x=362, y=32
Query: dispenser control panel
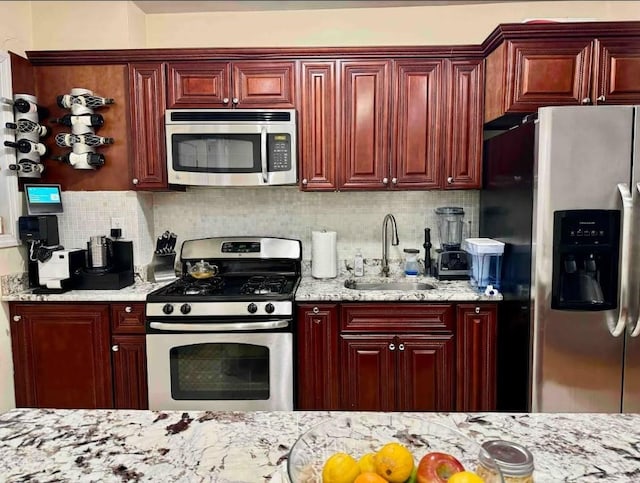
x=592, y=227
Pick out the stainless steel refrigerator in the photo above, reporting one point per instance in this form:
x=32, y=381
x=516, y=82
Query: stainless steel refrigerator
x=563, y=193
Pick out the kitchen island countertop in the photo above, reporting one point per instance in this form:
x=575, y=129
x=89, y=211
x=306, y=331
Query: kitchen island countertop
x=225, y=447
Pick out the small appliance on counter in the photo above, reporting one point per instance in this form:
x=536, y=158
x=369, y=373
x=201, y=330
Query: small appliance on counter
x=60, y=272
x=452, y=263
x=486, y=261
x=109, y=264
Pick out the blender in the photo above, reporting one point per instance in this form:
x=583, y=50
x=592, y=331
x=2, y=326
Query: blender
x=452, y=263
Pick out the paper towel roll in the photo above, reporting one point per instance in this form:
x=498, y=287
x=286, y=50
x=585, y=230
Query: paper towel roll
x=324, y=254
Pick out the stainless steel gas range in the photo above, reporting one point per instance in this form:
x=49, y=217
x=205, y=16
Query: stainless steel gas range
x=220, y=337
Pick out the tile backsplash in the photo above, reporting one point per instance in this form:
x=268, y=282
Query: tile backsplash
x=275, y=211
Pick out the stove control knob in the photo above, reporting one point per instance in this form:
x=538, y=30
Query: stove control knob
x=252, y=308
x=269, y=308
x=167, y=309
x=185, y=308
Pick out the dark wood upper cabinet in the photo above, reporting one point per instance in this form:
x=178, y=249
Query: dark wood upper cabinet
x=317, y=125
x=62, y=355
x=242, y=84
x=618, y=72
x=148, y=152
x=317, y=357
x=363, y=137
x=463, y=132
x=476, y=338
x=417, y=134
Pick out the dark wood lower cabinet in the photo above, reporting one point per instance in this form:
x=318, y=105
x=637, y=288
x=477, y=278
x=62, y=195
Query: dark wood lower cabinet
x=62, y=355
x=72, y=356
x=397, y=357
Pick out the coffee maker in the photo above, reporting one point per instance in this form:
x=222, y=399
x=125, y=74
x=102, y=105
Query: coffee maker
x=452, y=263
x=51, y=268
x=109, y=264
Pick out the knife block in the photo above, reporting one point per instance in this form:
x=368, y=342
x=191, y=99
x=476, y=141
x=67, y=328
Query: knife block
x=162, y=268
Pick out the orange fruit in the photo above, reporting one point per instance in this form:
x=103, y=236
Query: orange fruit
x=369, y=477
x=394, y=462
x=340, y=468
x=465, y=477
x=367, y=463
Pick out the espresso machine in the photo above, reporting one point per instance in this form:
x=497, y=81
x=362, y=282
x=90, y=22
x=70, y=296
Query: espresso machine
x=452, y=263
x=51, y=268
x=109, y=264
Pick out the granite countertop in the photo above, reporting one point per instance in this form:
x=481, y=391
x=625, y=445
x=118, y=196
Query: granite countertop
x=136, y=292
x=114, y=446
x=333, y=289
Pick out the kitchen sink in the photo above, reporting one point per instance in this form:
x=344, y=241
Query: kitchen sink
x=406, y=286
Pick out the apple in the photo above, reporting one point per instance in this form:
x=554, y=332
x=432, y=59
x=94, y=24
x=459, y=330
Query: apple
x=437, y=468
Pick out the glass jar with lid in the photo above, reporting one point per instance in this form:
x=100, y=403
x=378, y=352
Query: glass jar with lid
x=515, y=461
x=411, y=266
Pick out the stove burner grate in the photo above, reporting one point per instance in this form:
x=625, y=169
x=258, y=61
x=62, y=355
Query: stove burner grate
x=261, y=285
x=190, y=286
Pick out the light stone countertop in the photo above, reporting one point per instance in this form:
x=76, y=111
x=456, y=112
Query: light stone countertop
x=225, y=447
x=133, y=293
x=311, y=289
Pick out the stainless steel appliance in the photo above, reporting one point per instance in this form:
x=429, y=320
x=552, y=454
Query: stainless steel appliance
x=109, y=264
x=452, y=263
x=562, y=193
x=220, y=337
x=224, y=147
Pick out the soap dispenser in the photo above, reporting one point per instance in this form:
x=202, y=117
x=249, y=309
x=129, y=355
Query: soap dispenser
x=358, y=264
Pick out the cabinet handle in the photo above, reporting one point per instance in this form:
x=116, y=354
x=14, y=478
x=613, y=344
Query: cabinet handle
x=128, y=309
x=115, y=348
x=135, y=181
x=392, y=347
x=225, y=100
x=385, y=180
x=401, y=347
x=394, y=180
x=235, y=100
x=315, y=310
x=450, y=180
x=305, y=181
x=586, y=101
x=601, y=99
x=17, y=318
x=477, y=310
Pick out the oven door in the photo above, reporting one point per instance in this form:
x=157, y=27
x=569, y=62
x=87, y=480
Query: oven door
x=220, y=371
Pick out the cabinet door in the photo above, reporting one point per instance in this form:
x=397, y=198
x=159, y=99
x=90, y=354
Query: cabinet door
x=147, y=99
x=416, y=156
x=364, y=124
x=317, y=360
x=318, y=126
x=548, y=73
x=426, y=373
x=61, y=355
x=463, y=140
x=368, y=372
x=127, y=318
x=129, y=371
x=476, y=335
x=618, y=72
x=198, y=84
x=264, y=84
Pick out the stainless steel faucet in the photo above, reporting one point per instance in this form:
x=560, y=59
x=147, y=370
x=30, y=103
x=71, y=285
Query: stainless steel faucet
x=394, y=241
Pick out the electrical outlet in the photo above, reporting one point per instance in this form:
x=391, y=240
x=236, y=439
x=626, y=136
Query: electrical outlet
x=117, y=223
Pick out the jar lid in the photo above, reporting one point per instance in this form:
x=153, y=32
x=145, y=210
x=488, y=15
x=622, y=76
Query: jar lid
x=512, y=458
x=411, y=250
x=450, y=210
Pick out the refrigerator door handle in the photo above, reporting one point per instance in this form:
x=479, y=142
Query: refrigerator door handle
x=625, y=260
x=635, y=332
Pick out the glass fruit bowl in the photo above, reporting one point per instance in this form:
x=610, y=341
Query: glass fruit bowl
x=362, y=433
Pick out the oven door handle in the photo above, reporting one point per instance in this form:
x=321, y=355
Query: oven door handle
x=222, y=327
x=263, y=154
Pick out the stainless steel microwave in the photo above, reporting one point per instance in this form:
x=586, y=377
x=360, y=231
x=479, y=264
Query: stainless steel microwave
x=224, y=147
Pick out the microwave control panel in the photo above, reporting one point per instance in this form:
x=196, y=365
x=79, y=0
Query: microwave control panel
x=279, y=146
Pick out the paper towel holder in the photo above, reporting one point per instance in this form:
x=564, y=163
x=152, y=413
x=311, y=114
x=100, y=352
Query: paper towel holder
x=324, y=256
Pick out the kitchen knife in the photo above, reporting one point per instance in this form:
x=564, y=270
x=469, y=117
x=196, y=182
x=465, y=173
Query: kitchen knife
x=158, y=244
x=165, y=242
x=172, y=242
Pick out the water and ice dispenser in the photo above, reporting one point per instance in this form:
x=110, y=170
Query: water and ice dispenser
x=585, y=260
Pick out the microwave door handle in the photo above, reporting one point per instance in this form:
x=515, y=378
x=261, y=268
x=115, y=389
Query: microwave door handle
x=263, y=154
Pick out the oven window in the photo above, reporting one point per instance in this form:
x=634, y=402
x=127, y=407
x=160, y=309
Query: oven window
x=216, y=153
x=220, y=371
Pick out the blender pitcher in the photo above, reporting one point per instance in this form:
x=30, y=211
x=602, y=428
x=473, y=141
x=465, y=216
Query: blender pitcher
x=450, y=227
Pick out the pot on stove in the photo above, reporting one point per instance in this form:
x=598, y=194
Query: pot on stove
x=201, y=270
